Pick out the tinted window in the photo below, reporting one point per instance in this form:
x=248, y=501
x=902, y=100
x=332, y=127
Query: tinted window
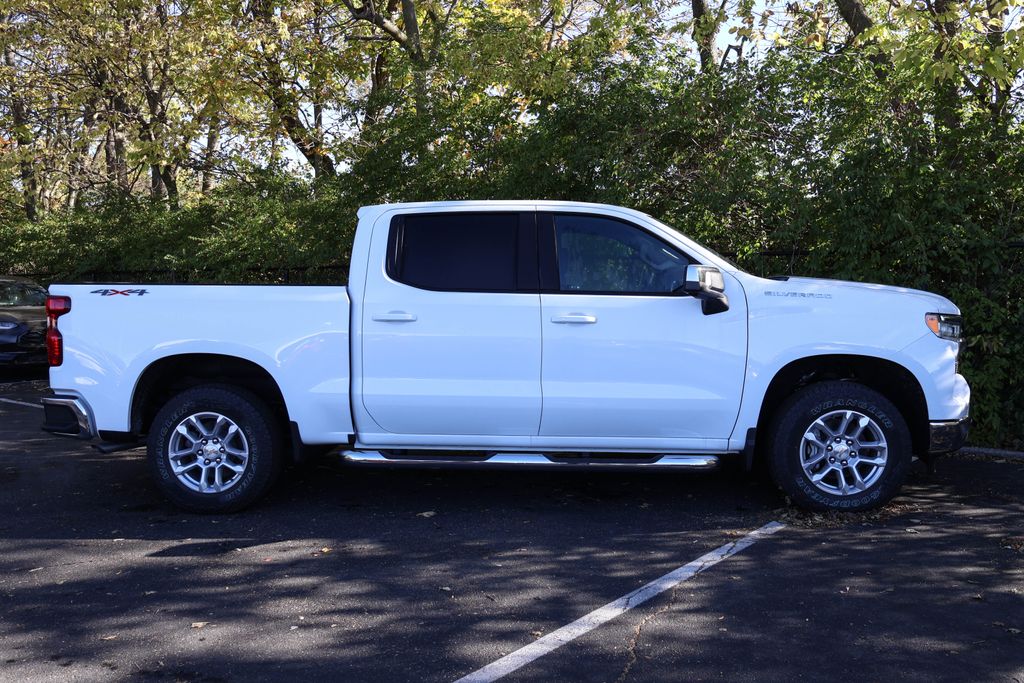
x=19, y=294
x=457, y=251
x=604, y=255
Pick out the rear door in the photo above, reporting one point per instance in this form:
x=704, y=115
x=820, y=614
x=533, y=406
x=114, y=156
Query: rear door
x=451, y=326
x=625, y=356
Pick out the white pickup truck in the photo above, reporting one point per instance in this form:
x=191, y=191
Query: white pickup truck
x=504, y=334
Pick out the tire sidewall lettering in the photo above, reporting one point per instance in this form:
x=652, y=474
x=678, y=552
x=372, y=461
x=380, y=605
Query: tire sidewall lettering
x=852, y=404
x=806, y=406
x=255, y=423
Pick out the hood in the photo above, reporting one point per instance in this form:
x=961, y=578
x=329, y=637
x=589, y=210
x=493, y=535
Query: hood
x=935, y=302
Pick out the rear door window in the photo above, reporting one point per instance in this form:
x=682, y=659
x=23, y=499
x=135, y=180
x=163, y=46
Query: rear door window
x=463, y=252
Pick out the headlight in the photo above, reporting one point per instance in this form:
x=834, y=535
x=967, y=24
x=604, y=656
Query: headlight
x=946, y=326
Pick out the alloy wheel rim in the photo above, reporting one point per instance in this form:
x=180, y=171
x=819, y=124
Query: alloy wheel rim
x=208, y=452
x=844, y=452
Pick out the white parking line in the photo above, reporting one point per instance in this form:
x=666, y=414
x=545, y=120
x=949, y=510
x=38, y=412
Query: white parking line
x=587, y=623
x=20, y=403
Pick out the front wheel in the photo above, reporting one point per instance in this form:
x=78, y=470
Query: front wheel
x=214, y=448
x=839, y=446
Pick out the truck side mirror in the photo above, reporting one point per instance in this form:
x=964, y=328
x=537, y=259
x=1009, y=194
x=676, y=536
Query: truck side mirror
x=707, y=284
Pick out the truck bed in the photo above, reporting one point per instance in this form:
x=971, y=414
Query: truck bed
x=299, y=335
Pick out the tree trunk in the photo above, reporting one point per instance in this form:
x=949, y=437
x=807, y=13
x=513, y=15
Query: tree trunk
x=318, y=158
x=210, y=155
x=855, y=16
x=169, y=179
x=705, y=27
x=157, y=191
x=119, y=141
x=379, y=79
x=947, y=93
x=23, y=137
x=286, y=107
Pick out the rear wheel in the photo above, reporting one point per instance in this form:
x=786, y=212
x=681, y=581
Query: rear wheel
x=214, y=448
x=839, y=446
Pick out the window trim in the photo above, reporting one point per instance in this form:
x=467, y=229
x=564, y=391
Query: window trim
x=526, y=257
x=549, y=277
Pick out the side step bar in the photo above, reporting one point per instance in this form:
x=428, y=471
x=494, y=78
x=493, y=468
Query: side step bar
x=692, y=462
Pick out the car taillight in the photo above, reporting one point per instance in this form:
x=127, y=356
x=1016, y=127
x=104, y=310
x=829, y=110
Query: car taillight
x=56, y=306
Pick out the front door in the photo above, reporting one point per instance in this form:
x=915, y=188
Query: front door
x=624, y=354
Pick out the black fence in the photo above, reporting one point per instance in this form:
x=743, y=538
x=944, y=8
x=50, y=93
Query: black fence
x=273, y=275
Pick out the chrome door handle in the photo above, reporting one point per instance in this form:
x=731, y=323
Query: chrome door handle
x=395, y=317
x=575, y=319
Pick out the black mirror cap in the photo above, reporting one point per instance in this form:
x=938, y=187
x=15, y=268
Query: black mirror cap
x=718, y=304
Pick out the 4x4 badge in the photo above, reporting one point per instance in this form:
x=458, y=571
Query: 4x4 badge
x=123, y=292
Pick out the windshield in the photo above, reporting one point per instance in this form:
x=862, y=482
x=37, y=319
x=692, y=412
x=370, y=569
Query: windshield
x=21, y=294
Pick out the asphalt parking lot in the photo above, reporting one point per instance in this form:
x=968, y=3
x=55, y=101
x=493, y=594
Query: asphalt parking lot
x=371, y=575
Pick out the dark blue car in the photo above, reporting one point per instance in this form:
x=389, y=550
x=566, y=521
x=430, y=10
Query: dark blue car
x=22, y=322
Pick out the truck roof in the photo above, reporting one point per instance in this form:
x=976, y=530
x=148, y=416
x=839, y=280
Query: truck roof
x=479, y=203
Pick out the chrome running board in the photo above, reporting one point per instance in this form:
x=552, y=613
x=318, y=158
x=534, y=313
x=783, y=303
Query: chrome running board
x=670, y=461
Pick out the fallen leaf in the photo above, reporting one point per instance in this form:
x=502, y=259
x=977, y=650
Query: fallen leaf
x=325, y=549
x=1013, y=543
x=108, y=637
x=199, y=624
x=536, y=634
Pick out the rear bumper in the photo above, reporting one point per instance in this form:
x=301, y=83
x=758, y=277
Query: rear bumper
x=944, y=437
x=68, y=416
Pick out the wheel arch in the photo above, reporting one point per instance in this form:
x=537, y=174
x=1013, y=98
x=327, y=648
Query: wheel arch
x=170, y=375
x=889, y=378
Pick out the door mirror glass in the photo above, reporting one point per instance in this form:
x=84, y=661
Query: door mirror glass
x=707, y=284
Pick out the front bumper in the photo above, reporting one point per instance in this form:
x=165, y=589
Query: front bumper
x=68, y=416
x=944, y=437
x=23, y=345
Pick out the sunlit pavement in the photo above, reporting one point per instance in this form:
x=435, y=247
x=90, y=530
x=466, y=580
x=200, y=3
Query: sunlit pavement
x=366, y=575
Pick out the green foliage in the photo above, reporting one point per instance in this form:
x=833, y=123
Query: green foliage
x=271, y=227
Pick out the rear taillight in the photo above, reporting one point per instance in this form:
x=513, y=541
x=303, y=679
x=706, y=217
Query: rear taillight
x=56, y=306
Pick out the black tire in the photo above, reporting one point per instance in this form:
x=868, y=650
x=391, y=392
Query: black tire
x=796, y=416
x=257, y=425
